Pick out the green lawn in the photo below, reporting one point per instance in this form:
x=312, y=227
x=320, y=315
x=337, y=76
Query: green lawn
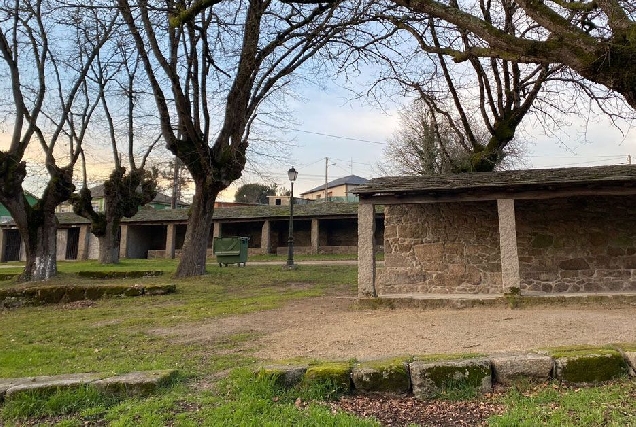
x=119, y=335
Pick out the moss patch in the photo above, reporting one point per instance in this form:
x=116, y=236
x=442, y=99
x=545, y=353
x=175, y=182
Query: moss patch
x=382, y=376
x=119, y=274
x=433, y=379
x=584, y=366
x=336, y=374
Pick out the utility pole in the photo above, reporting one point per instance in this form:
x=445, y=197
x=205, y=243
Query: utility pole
x=629, y=159
x=326, y=165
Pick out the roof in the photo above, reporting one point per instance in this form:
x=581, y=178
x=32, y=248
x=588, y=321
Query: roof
x=97, y=192
x=490, y=185
x=347, y=180
x=260, y=212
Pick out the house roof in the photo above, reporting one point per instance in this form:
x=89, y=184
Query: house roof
x=311, y=210
x=347, y=180
x=98, y=192
x=492, y=185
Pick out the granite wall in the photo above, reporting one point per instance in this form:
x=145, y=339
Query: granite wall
x=441, y=248
x=577, y=244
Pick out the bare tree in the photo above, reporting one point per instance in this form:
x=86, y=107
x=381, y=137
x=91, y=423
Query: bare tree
x=124, y=190
x=210, y=76
x=593, y=38
x=51, y=106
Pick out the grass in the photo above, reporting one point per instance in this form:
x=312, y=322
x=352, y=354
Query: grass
x=124, y=334
x=551, y=405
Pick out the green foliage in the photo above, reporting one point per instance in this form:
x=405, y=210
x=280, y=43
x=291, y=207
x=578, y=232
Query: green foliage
x=551, y=405
x=60, y=402
x=254, y=193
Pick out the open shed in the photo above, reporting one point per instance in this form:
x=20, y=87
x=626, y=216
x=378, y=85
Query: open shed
x=562, y=230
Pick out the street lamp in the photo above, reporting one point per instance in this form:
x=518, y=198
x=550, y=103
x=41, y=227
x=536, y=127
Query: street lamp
x=292, y=174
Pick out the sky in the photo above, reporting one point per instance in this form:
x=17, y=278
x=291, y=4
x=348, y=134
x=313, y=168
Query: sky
x=353, y=135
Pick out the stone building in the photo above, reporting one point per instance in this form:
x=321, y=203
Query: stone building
x=318, y=228
x=539, y=231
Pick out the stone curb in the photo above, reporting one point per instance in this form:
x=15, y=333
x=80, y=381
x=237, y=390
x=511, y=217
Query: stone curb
x=142, y=383
x=427, y=378
x=18, y=297
x=424, y=301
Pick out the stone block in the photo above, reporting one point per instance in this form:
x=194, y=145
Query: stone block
x=630, y=357
x=507, y=368
x=49, y=384
x=160, y=289
x=613, y=251
x=429, y=252
x=574, y=264
x=430, y=378
x=590, y=367
x=336, y=374
x=141, y=383
x=390, y=376
x=284, y=375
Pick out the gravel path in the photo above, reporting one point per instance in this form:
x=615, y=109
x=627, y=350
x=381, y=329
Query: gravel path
x=332, y=328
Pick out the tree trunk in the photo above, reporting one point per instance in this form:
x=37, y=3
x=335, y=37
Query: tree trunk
x=195, y=246
x=109, y=244
x=40, y=243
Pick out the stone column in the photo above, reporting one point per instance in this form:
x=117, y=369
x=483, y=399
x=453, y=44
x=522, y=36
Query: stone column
x=62, y=242
x=366, y=250
x=508, y=245
x=123, y=242
x=82, y=244
x=315, y=235
x=171, y=241
x=266, y=237
x=3, y=244
x=22, y=250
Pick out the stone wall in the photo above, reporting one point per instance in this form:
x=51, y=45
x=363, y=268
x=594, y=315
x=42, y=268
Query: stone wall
x=441, y=248
x=577, y=244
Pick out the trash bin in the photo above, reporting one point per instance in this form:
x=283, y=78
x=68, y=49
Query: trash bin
x=230, y=250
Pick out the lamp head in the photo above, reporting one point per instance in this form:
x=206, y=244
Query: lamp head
x=292, y=174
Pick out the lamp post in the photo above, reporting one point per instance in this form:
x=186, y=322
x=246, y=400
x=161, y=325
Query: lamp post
x=292, y=174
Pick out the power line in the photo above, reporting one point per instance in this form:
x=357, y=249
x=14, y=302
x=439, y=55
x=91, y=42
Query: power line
x=348, y=138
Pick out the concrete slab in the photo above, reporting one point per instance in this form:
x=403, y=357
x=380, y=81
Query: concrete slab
x=47, y=384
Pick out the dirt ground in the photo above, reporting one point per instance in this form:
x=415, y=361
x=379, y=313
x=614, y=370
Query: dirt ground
x=332, y=328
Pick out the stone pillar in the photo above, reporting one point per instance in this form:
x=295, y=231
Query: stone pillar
x=123, y=242
x=83, y=242
x=22, y=250
x=266, y=237
x=315, y=235
x=366, y=250
x=3, y=244
x=171, y=241
x=508, y=245
x=62, y=242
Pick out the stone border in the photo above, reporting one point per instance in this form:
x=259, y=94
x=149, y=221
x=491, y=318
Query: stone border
x=141, y=383
x=459, y=301
x=426, y=377
x=52, y=294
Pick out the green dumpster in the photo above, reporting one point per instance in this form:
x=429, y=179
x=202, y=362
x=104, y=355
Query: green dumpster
x=230, y=250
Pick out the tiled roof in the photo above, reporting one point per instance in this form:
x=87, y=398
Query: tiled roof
x=97, y=192
x=504, y=181
x=310, y=210
x=348, y=180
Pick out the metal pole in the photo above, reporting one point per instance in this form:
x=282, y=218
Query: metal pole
x=290, y=242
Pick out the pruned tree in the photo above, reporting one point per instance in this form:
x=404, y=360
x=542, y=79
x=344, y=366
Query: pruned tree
x=593, y=38
x=125, y=190
x=210, y=75
x=47, y=49
x=254, y=193
x=479, y=108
